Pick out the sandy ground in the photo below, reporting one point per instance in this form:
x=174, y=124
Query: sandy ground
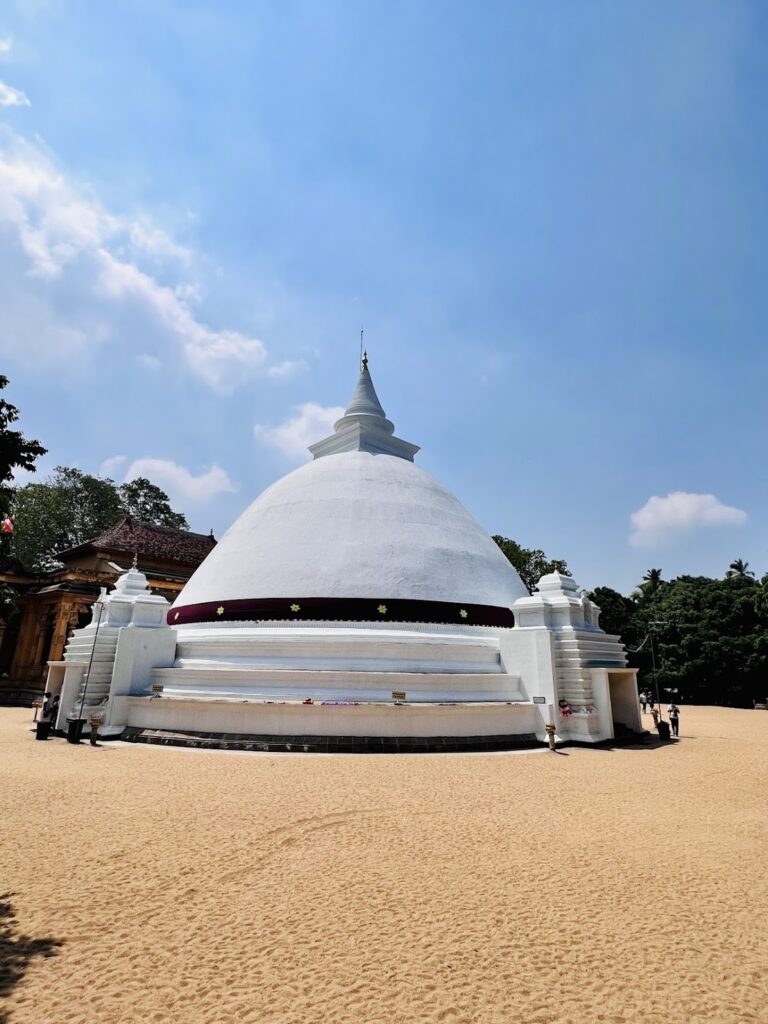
x=164, y=885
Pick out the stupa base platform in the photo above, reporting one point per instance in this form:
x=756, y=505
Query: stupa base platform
x=335, y=744
x=393, y=719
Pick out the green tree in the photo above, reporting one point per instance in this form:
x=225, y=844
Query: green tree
x=616, y=612
x=72, y=507
x=651, y=582
x=38, y=534
x=761, y=599
x=68, y=509
x=531, y=563
x=710, y=636
x=739, y=568
x=16, y=450
x=148, y=503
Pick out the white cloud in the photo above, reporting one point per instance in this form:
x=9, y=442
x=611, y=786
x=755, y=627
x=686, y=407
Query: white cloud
x=219, y=357
x=10, y=97
x=74, y=275
x=662, y=518
x=287, y=368
x=155, y=242
x=110, y=465
x=311, y=423
x=179, y=483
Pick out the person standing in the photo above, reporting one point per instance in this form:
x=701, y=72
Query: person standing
x=655, y=714
x=643, y=700
x=53, y=710
x=673, y=713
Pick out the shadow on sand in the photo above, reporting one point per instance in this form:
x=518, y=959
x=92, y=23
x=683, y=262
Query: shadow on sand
x=17, y=951
x=653, y=743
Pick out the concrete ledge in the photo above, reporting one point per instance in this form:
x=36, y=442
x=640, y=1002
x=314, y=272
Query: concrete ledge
x=392, y=720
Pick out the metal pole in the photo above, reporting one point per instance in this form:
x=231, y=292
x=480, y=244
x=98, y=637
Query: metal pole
x=653, y=663
x=90, y=662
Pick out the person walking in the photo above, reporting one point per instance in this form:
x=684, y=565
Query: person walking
x=651, y=702
x=673, y=713
x=643, y=700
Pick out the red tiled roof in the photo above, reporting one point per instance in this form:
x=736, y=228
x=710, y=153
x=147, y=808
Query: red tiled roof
x=160, y=542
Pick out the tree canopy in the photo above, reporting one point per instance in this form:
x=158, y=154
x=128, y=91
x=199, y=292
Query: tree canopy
x=16, y=450
x=739, y=568
x=616, y=611
x=148, y=503
x=710, y=636
x=72, y=507
x=531, y=563
x=651, y=581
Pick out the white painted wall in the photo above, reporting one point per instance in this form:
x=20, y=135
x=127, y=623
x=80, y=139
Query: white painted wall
x=528, y=653
x=139, y=651
x=319, y=720
x=624, y=700
x=73, y=680
x=602, y=726
x=55, y=678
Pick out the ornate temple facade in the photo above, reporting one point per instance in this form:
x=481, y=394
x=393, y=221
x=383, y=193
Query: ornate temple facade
x=52, y=606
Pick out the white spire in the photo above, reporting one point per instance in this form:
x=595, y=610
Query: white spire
x=364, y=404
x=364, y=427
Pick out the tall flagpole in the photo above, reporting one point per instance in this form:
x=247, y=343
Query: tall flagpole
x=90, y=662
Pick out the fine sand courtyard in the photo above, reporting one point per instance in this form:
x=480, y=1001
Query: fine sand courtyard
x=148, y=884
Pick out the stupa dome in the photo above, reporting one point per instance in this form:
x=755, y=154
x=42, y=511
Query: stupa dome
x=361, y=533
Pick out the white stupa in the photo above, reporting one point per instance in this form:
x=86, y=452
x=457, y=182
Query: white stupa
x=357, y=602
x=358, y=528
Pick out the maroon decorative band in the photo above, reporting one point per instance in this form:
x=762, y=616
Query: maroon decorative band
x=332, y=609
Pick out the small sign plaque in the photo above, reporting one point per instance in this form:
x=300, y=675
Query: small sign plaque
x=157, y=688
x=539, y=700
x=398, y=695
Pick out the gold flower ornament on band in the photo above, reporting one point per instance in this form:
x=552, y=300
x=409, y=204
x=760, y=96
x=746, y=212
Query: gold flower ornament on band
x=463, y=613
x=382, y=609
x=295, y=607
x=220, y=610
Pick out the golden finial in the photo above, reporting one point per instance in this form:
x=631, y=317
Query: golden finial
x=135, y=564
x=364, y=362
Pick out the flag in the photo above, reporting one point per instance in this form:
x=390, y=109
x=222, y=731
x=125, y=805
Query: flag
x=7, y=525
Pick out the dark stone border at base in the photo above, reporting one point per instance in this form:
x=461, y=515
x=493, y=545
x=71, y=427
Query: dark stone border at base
x=334, y=744
x=20, y=696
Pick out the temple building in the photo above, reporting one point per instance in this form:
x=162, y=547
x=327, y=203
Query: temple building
x=53, y=605
x=355, y=605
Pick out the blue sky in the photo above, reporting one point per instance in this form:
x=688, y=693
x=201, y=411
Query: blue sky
x=550, y=218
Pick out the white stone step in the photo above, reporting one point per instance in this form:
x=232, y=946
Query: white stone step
x=347, y=649
x=589, y=649
x=275, y=684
